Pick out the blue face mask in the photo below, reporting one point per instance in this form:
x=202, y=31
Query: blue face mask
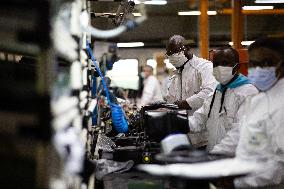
x=263, y=78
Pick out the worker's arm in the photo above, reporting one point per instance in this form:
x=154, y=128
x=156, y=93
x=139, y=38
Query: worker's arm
x=197, y=122
x=208, y=85
x=229, y=143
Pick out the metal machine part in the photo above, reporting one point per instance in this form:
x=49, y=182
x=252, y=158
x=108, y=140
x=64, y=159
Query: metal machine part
x=162, y=122
x=124, y=10
x=172, y=142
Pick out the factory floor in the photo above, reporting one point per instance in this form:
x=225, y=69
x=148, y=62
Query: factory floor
x=132, y=180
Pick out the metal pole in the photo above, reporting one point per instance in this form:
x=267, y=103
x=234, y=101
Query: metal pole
x=237, y=24
x=203, y=29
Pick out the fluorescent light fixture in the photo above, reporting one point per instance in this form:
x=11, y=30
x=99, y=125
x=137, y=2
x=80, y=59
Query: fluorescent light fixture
x=189, y=13
x=269, y=1
x=211, y=12
x=131, y=44
x=153, y=2
x=156, y=2
x=258, y=7
x=244, y=43
x=137, y=14
x=195, y=13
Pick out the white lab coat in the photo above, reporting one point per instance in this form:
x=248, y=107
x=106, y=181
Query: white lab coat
x=222, y=135
x=165, y=85
x=261, y=138
x=151, y=91
x=197, y=83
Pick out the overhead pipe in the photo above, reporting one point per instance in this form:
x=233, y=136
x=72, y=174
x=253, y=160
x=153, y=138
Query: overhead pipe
x=105, y=34
x=253, y=12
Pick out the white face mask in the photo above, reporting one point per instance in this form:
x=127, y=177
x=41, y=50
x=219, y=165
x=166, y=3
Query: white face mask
x=223, y=74
x=142, y=74
x=263, y=78
x=178, y=59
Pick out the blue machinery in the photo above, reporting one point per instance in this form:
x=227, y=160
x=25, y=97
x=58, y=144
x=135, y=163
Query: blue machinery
x=117, y=114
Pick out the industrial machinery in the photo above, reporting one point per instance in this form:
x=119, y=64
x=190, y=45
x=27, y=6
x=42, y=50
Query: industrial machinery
x=47, y=103
x=59, y=118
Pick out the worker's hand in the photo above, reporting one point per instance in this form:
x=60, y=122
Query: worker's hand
x=157, y=103
x=154, y=105
x=183, y=104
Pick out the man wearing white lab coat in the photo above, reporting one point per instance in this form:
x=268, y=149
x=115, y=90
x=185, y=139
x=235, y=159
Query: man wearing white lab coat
x=219, y=115
x=193, y=82
x=262, y=127
x=152, y=88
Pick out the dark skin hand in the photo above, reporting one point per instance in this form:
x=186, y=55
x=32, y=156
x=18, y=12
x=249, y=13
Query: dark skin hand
x=183, y=105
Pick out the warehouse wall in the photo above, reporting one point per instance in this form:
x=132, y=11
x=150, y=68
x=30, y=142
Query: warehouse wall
x=142, y=54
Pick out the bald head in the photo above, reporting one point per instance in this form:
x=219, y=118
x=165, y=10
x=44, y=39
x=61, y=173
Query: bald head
x=267, y=52
x=225, y=57
x=176, y=44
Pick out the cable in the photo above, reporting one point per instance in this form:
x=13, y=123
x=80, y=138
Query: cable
x=105, y=34
x=117, y=114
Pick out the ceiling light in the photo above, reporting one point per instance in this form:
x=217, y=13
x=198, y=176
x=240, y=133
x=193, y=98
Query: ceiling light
x=187, y=13
x=108, y=14
x=269, y=1
x=153, y=2
x=195, y=13
x=211, y=12
x=137, y=14
x=131, y=44
x=257, y=7
x=244, y=43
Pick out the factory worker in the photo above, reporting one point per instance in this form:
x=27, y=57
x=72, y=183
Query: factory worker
x=262, y=127
x=194, y=81
x=219, y=114
x=152, y=89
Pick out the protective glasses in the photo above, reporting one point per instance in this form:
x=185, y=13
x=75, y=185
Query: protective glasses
x=171, y=52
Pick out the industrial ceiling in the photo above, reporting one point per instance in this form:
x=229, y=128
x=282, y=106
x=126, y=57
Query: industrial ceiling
x=163, y=21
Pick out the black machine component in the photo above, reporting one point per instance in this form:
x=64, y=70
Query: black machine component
x=24, y=25
x=25, y=121
x=147, y=130
x=161, y=123
x=124, y=12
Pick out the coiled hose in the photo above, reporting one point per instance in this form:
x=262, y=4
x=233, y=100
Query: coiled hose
x=117, y=114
